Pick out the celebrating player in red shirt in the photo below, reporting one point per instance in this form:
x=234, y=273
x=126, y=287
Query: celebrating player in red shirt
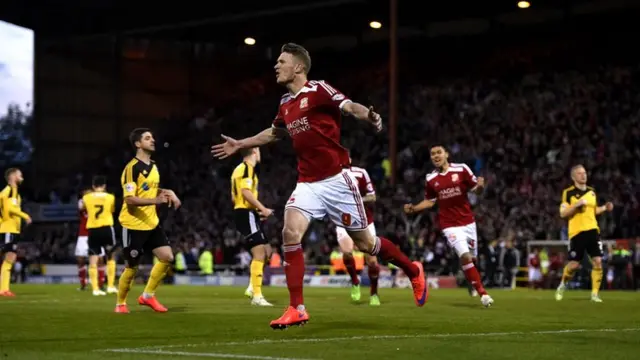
x=311, y=114
x=368, y=194
x=448, y=186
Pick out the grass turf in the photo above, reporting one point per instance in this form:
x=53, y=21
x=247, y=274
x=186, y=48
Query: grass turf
x=58, y=322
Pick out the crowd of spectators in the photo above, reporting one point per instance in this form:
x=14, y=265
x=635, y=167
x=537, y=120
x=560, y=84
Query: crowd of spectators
x=521, y=133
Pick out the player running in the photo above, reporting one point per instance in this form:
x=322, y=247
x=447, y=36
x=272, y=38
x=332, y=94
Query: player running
x=580, y=207
x=448, y=185
x=100, y=206
x=368, y=194
x=311, y=114
x=141, y=229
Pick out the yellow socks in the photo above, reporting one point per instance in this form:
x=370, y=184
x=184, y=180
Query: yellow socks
x=596, y=280
x=93, y=277
x=155, y=278
x=124, y=284
x=567, y=274
x=111, y=273
x=256, y=277
x=5, y=275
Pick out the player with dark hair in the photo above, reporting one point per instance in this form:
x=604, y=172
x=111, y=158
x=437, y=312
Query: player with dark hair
x=141, y=230
x=579, y=205
x=12, y=216
x=82, y=246
x=448, y=186
x=310, y=113
x=100, y=206
x=248, y=213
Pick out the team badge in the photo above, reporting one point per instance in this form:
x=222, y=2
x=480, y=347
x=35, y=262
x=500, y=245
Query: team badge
x=304, y=102
x=454, y=178
x=129, y=187
x=346, y=219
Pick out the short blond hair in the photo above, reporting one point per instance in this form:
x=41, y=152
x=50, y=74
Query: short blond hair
x=300, y=53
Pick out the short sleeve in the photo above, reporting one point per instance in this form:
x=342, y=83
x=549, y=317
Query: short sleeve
x=129, y=185
x=469, y=176
x=331, y=95
x=246, y=182
x=564, y=201
x=278, y=121
x=429, y=192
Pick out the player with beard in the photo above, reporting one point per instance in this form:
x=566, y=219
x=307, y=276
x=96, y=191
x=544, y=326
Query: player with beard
x=448, y=186
x=12, y=216
x=310, y=113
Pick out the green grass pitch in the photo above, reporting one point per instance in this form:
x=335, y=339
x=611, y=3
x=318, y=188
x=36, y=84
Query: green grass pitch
x=59, y=322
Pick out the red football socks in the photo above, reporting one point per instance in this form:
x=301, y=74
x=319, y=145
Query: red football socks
x=391, y=253
x=294, y=272
x=101, y=277
x=82, y=275
x=350, y=264
x=473, y=277
x=374, y=272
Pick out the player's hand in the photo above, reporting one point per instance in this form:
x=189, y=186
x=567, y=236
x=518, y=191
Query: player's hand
x=265, y=213
x=375, y=119
x=581, y=202
x=229, y=147
x=28, y=220
x=480, y=182
x=173, y=198
x=408, y=209
x=162, y=198
x=609, y=206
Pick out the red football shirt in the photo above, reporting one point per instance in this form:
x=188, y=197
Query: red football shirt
x=365, y=187
x=449, y=190
x=82, y=230
x=313, y=118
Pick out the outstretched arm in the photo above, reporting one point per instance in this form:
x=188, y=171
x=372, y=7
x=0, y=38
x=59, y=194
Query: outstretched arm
x=421, y=206
x=363, y=113
x=231, y=145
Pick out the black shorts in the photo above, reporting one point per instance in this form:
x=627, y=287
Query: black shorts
x=9, y=242
x=138, y=242
x=585, y=241
x=249, y=225
x=102, y=237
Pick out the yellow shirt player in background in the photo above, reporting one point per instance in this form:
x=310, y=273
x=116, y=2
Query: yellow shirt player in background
x=141, y=230
x=12, y=217
x=100, y=206
x=579, y=205
x=248, y=213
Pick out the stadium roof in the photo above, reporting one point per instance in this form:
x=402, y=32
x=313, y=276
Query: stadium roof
x=273, y=20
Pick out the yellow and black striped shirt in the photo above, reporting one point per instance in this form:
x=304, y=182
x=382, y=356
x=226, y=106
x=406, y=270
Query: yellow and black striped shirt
x=244, y=177
x=140, y=180
x=585, y=217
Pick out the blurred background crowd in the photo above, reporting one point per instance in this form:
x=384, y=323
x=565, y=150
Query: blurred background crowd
x=519, y=114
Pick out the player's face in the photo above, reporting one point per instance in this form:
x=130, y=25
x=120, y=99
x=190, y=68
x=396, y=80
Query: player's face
x=285, y=69
x=580, y=175
x=147, y=142
x=18, y=177
x=439, y=156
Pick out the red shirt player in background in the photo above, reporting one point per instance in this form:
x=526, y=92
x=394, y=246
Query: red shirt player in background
x=448, y=186
x=82, y=247
x=535, y=270
x=368, y=194
x=310, y=113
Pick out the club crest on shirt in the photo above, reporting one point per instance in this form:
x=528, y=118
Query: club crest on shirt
x=454, y=178
x=129, y=187
x=304, y=102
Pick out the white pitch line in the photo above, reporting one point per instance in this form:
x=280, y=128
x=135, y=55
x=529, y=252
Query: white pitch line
x=195, y=354
x=378, y=337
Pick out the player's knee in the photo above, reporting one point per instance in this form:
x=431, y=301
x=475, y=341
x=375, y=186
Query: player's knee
x=597, y=263
x=372, y=260
x=166, y=257
x=258, y=253
x=291, y=235
x=466, y=258
x=132, y=256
